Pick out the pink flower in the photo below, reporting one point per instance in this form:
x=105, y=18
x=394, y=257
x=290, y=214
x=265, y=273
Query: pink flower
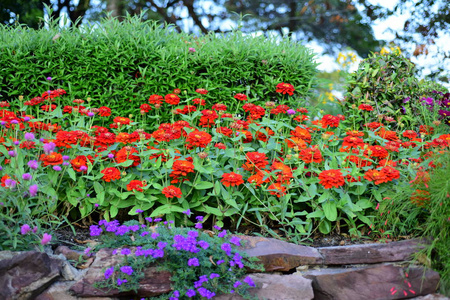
x=46, y=239
x=192, y=50
x=25, y=229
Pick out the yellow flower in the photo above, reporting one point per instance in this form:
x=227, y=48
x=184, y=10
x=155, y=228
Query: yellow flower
x=384, y=51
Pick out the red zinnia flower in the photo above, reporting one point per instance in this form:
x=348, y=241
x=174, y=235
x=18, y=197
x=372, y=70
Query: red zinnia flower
x=199, y=101
x=285, y=88
x=366, y=107
x=104, y=111
x=410, y=134
x=53, y=159
x=330, y=121
x=310, y=155
x=171, y=191
x=255, y=161
x=110, y=174
x=172, y=99
x=122, y=120
x=232, y=179
x=127, y=153
x=155, y=99
x=241, y=97
x=198, y=139
x=202, y=91
x=331, y=178
x=135, y=185
x=277, y=189
x=376, y=176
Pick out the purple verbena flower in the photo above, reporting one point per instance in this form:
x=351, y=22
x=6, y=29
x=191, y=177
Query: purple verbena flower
x=33, y=189
x=46, y=238
x=127, y=270
x=109, y=272
x=248, y=280
x=193, y=262
x=121, y=281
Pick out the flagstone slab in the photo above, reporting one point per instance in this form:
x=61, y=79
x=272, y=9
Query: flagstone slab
x=278, y=255
x=154, y=283
x=382, y=281
x=370, y=253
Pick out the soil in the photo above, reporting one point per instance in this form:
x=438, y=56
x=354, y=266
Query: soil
x=81, y=237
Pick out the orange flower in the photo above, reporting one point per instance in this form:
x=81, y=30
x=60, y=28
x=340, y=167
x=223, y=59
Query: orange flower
x=410, y=134
x=52, y=159
x=391, y=173
x=110, y=174
x=171, y=191
x=284, y=173
x=387, y=134
x=232, y=179
x=420, y=198
x=295, y=142
x=301, y=133
x=331, y=178
x=181, y=168
x=277, y=189
x=376, y=176
x=255, y=161
x=198, y=139
x=136, y=185
x=258, y=178
x=127, y=138
x=311, y=155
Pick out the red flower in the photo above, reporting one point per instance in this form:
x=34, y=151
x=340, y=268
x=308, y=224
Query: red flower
x=122, y=120
x=256, y=161
x=53, y=159
x=410, y=134
x=310, y=155
x=155, y=99
x=202, y=91
x=366, y=107
x=376, y=176
x=220, y=146
x=181, y=168
x=135, y=185
x=330, y=121
x=391, y=173
x=51, y=107
x=232, y=179
x=331, y=178
x=110, y=174
x=105, y=139
x=277, y=189
x=241, y=97
x=104, y=111
x=172, y=99
x=301, y=133
x=171, y=191
x=79, y=162
x=198, y=139
x=219, y=107
x=199, y=101
x=285, y=88
x=376, y=151
x=283, y=172
x=127, y=153
x=145, y=108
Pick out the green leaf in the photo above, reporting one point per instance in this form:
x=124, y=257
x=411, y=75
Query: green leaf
x=364, y=203
x=113, y=210
x=325, y=226
x=315, y=214
x=312, y=190
x=330, y=211
x=203, y=185
x=72, y=174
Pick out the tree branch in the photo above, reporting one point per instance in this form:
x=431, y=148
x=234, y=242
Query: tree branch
x=190, y=6
x=167, y=18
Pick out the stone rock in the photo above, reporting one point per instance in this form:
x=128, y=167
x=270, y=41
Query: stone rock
x=383, y=281
x=370, y=253
x=154, y=283
x=26, y=275
x=432, y=297
x=60, y=291
x=277, y=287
x=278, y=255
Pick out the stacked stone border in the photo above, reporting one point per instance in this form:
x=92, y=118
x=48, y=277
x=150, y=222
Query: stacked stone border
x=365, y=271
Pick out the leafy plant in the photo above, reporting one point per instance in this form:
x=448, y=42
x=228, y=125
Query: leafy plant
x=200, y=264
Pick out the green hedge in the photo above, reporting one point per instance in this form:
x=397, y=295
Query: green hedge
x=117, y=63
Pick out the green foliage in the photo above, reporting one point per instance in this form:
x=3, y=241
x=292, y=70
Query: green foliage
x=421, y=207
x=194, y=258
x=387, y=82
x=118, y=64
